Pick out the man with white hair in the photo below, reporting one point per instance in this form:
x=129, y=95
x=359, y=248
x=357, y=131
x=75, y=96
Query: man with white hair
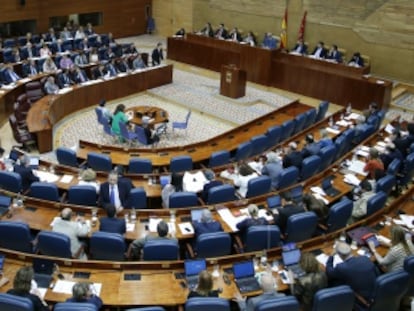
x=269, y=286
x=273, y=168
x=206, y=224
x=359, y=272
x=292, y=157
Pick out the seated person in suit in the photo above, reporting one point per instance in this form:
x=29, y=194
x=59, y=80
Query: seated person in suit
x=84, y=292
x=50, y=86
x=9, y=75
x=359, y=272
x=22, y=287
x=105, y=111
x=111, y=68
x=175, y=185
x=212, y=182
x=234, y=35
x=334, y=54
x=300, y=48
x=157, y=55
x=25, y=172
x=206, y=224
x=319, y=51
x=150, y=134
x=45, y=51
x=207, y=31
x=360, y=205
x=64, y=79
x=180, y=32
x=311, y=146
x=81, y=59
x=88, y=177
x=287, y=209
x=305, y=287
x=250, y=39
x=16, y=55
x=325, y=140
x=391, y=153
x=229, y=173
x=74, y=230
x=273, y=168
x=115, y=191
x=29, y=68
x=292, y=157
x=99, y=72
x=356, y=60
x=65, y=34
x=135, y=248
x=269, y=287
x=27, y=51
x=138, y=62
x=111, y=223
x=78, y=75
x=121, y=65
x=204, y=287
x=269, y=42
x=316, y=205
x=245, y=174
x=252, y=220
x=221, y=32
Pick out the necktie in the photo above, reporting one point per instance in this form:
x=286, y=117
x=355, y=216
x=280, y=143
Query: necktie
x=112, y=195
x=82, y=79
x=33, y=70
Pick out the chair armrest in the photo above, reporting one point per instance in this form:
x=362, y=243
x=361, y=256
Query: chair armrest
x=63, y=197
x=323, y=227
x=201, y=201
x=190, y=250
x=238, y=244
x=361, y=300
x=180, y=308
x=79, y=252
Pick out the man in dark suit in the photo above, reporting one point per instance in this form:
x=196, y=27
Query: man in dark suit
x=64, y=79
x=29, y=68
x=292, y=157
x=287, y=209
x=319, y=51
x=356, y=60
x=10, y=76
x=99, y=72
x=114, y=191
x=334, y=54
x=212, y=182
x=78, y=75
x=157, y=55
x=300, y=48
x=359, y=272
x=235, y=35
x=206, y=224
x=111, y=223
x=221, y=32
x=25, y=172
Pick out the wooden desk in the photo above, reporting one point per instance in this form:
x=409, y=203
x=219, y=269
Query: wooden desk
x=56, y=107
x=337, y=83
x=158, y=115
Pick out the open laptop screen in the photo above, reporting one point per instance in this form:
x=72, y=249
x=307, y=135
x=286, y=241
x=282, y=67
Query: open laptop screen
x=243, y=269
x=34, y=162
x=196, y=214
x=194, y=267
x=291, y=257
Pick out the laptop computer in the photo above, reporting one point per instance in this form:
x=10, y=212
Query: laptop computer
x=328, y=188
x=5, y=202
x=196, y=214
x=192, y=268
x=43, y=272
x=244, y=277
x=291, y=261
x=34, y=162
x=14, y=155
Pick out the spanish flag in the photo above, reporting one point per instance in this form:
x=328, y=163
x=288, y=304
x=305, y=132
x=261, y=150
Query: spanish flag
x=283, y=34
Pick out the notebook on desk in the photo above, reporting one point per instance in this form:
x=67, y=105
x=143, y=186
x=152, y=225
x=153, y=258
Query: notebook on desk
x=328, y=188
x=192, y=268
x=244, y=277
x=291, y=261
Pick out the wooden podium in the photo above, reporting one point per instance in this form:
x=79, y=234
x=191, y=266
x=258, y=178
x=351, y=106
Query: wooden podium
x=232, y=81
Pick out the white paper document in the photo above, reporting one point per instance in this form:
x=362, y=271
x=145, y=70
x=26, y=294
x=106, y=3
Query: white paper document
x=66, y=179
x=130, y=227
x=46, y=176
x=351, y=179
x=323, y=259
x=230, y=219
x=332, y=131
x=186, y=228
x=65, y=287
x=357, y=166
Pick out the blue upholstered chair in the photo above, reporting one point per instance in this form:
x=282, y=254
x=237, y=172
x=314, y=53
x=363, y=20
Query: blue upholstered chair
x=261, y=237
x=141, y=137
x=327, y=155
x=16, y=236
x=310, y=166
x=220, y=194
x=213, y=244
x=219, y=158
x=82, y=195
x=207, y=304
x=339, y=298
x=341, y=147
x=10, y=181
x=287, y=129
x=288, y=177
x=10, y=302
x=44, y=191
x=409, y=268
x=99, y=161
x=9, y=43
x=128, y=136
x=259, y=144
x=310, y=118
x=258, y=186
x=155, y=250
x=339, y=214
x=322, y=109
x=376, y=202
x=273, y=133
x=137, y=198
x=183, y=199
x=288, y=303
x=385, y=184
x=243, y=151
x=181, y=164
x=299, y=123
x=394, y=167
x=301, y=227
x=66, y=156
x=139, y=166
x=54, y=244
x=74, y=306
x=182, y=125
x=107, y=246
x=406, y=172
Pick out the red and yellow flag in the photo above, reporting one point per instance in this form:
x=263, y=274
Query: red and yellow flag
x=301, y=33
x=283, y=34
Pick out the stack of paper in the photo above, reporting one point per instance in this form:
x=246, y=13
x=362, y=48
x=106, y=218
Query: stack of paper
x=230, y=219
x=351, y=179
x=357, y=166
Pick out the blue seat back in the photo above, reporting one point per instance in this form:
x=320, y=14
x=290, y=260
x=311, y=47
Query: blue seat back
x=299, y=123
x=10, y=302
x=207, y=304
x=66, y=156
x=386, y=184
x=301, y=226
x=394, y=167
x=409, y=268
x=10, y=181
x=310, y=118
x=139, y=166
x=244, y=150
x=339, y=214
x=258, y=186
x=99, y=162
x=262, y=237
x=74, y=306
x=16, y=236
x=44, y=191
x=164, y=249
x=288, y=303
x=323, y=108
x=310, y=166
x=181, y=164
x=82, y=195
x=54, y=244
x=327, y=155
x=273, y=133
x=259, y=144
x=219, y=158
x=376, y=202
x=141, y=137
x=183, y=199
x=339, y=298
x=107, y=246
x=213, y=244
x=220, y=194
x=287, y=129
x=137, y=198
x=147, y=309
x=288, y=177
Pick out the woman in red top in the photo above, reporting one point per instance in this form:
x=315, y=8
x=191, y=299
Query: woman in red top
x=374, y=163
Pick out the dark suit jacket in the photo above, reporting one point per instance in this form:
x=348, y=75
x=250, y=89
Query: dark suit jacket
x=303, y=49
x=206, y=227
x=123, y=189
x=64, y=79
x=284, y=214
x=248, y=222
x=26, y=174
x=208, y=186
x=113, y=225
x=157, y=56
x=294, y=158
x=358, y=272
x=323, y=52
x=26, y=69
x=336, y=55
